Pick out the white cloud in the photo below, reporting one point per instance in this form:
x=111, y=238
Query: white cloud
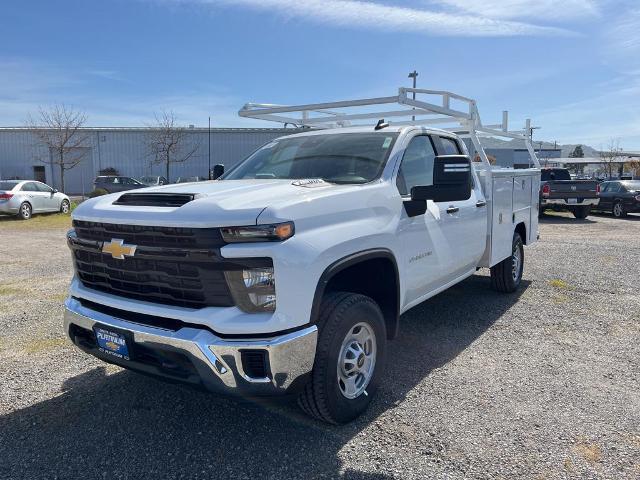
x=25, y=86
x=385, y=17
x=623, y=34
x=510, y=9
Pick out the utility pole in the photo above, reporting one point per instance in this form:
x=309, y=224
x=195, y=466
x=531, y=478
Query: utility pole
x=531, y=129
x=209, y=133
x=414, y=76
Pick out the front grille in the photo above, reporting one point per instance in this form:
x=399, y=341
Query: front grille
x=177, y=237
x=188, y=284
x=171, y=266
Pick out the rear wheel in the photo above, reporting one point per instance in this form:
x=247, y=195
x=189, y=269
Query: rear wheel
x=25, y=211
x=582, y=211
x=618, y=209
x=65, y=207
x=349, y=358
x=507, y=275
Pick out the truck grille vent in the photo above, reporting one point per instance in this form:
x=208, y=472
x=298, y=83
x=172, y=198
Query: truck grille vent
x=174, y=237
x=254, y=363
x=184, y=284
x=169, y=275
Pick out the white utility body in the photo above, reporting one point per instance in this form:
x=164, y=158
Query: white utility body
x=288, y=275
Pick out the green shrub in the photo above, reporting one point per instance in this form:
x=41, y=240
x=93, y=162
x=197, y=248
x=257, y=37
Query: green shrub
x=98, y=192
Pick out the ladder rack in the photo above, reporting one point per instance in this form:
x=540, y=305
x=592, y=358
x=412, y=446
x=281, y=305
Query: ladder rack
x=323, y=115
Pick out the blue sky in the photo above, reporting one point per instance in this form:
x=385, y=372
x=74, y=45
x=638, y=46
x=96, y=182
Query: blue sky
x=573, y=66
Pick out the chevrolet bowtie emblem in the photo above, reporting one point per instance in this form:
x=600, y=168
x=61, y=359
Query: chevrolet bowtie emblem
x=118, y=249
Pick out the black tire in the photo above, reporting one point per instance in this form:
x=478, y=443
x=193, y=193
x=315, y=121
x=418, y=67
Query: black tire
x=65, y=207
x=618, y=209
x=506, y=276
x=25, y=211
x=582, y=211
x=341, y=313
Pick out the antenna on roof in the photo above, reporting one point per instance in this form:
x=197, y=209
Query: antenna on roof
x=381, y=124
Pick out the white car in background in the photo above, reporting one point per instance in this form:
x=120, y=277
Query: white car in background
x=26, y=197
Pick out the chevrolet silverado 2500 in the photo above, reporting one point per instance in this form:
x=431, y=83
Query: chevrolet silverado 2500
x=289, y=275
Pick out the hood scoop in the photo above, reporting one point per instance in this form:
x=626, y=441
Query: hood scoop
x=155, y=199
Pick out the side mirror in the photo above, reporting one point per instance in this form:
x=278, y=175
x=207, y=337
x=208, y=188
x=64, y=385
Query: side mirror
x=55, y=190
x=218, y=170
x=451, y=182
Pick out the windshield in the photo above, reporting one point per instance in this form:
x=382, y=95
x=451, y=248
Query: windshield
x=553, y=174
x=149, y=179
x=632, y=186
x=7, y=185
x=335, y=158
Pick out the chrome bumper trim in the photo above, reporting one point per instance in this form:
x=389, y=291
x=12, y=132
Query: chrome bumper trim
x=562, y=201
x=217, y=360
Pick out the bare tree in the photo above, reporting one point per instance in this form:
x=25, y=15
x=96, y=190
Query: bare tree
x=633, y=164
x=59, y=128
x=610, y=156
x=167, y=142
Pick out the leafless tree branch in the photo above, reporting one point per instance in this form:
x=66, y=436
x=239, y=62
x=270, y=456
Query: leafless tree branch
x=610, y=156
x=167, y=142
x=59, y=129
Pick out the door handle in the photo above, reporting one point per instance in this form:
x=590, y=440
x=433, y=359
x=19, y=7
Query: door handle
x=481, y=203
x=451, y=210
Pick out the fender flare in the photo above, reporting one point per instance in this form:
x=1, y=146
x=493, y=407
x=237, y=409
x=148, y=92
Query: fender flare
x=349, y=261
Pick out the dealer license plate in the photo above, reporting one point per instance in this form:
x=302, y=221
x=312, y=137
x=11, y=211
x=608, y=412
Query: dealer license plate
x=112, y=343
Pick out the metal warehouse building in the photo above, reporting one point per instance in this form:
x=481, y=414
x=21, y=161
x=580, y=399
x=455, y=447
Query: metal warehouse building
x=125, y=150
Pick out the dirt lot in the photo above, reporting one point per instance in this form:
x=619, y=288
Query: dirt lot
x=540, y=384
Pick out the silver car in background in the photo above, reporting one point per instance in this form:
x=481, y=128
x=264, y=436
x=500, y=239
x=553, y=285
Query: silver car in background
x=26, y=197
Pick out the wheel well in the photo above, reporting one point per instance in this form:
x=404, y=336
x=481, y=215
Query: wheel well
x=373, y=276
x=521, y=228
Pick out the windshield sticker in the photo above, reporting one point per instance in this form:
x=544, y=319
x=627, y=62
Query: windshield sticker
x=387, y=142
x=309, y=183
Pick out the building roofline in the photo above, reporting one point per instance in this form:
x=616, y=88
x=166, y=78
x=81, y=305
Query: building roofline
x=147, y=129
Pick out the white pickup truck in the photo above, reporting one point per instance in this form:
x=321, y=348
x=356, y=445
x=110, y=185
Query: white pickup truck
x=289, y=274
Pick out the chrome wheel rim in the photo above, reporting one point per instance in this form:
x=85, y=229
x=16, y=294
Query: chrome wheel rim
x=357, y=360
x=516, y=263
x=617, y=210
x=65, y=207
x=26, y=211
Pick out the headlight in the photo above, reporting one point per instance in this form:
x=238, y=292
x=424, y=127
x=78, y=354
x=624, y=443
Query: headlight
x=253, y=289
x=276, y=232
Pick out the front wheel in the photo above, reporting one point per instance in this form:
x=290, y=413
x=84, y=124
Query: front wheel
x=618, y=210
x=507, y=275
x=349, y=358
x=65, y=207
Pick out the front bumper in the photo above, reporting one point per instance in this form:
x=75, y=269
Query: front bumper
x=197, y=356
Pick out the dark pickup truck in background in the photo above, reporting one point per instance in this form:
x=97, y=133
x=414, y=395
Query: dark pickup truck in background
x=559, y=192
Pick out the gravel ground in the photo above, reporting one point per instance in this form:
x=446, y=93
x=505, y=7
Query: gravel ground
x=539, y=384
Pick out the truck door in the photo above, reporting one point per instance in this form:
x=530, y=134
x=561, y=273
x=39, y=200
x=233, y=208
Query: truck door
x=425, y=253
x=464, y=223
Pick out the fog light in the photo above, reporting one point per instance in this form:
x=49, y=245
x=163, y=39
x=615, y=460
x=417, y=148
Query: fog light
x=253, y=289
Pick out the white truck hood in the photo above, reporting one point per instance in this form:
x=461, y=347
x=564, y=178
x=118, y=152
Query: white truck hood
x=217, y=203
